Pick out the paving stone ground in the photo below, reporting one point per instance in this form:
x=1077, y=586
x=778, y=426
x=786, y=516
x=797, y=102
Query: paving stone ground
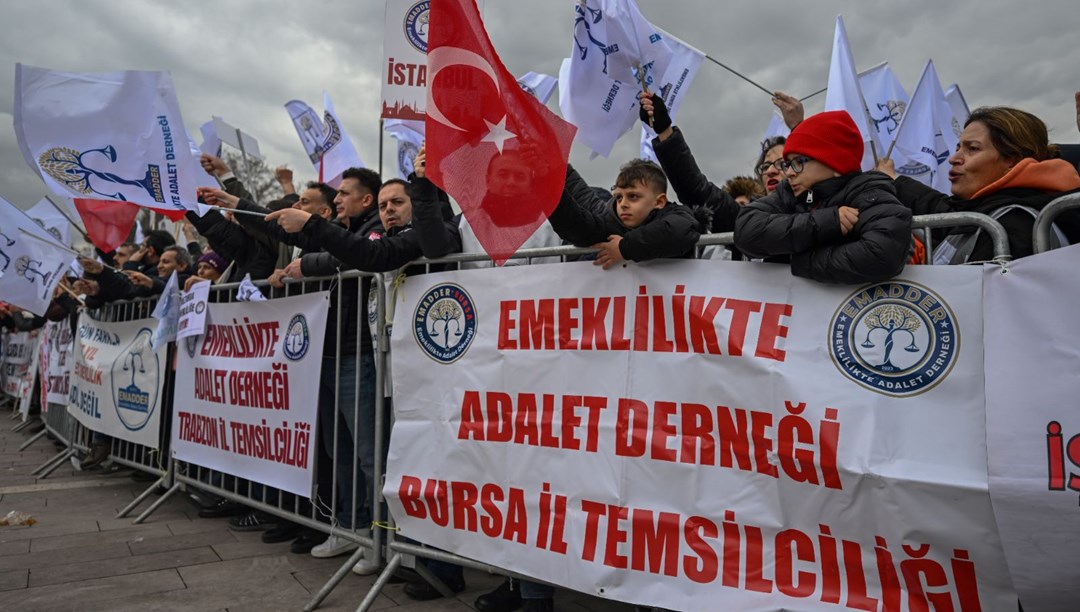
x=80, y=557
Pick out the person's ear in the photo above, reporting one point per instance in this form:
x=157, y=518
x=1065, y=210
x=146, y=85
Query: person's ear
x=661, y=200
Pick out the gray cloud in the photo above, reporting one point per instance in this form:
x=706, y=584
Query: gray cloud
x=243, y=60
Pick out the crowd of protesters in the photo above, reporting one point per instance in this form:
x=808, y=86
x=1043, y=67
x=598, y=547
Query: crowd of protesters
x=808, y=206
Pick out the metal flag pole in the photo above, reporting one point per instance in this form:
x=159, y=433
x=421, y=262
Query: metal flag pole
x=381, y=126
x=60, y=209
x=738, y=74
x=247, y=165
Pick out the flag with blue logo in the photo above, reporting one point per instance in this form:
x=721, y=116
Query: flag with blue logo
x=409, y=135
x=167, y=313
x=32, y=262
x=248, y=292
x=599, y=83
x=926, y=135
x=672, y=87
x=324, y=139
x=107, y=136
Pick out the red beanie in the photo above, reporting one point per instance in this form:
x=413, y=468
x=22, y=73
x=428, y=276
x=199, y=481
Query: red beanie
x=831, y=138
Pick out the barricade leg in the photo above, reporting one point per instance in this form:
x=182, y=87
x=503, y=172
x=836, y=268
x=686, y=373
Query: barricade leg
x=23, y=425
x=142, y=496
x=50, y=465
x=39, y=435
x=332, y=583
x=166, y=480
x=380, y=583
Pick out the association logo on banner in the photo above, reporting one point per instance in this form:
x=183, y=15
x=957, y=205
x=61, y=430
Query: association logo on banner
x=191, y=343
x=444, y=322
x=417, y=20
x=69, y=168
x=297, y=339
x=896, y=338
x=135, y=382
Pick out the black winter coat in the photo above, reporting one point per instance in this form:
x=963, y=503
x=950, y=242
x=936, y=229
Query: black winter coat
x=251, y=254
x=691, y=186
x=782, y=227
x=1020, y=225
x=671, y=231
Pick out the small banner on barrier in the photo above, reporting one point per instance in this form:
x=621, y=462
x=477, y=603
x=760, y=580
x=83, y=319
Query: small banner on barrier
x=57, y=344
x=193, y=307
x=246, y=396
x=20, y=367
x=701, y=435
x=117, y=379
x=1033, y=424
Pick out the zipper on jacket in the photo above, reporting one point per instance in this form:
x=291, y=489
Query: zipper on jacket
x=810, y=196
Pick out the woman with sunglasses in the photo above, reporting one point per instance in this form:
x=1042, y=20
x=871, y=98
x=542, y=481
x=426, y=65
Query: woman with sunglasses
x=830, y=221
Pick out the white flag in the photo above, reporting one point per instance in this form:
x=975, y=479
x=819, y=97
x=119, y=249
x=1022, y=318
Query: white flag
x=248, y=292
x=325, y=141
x=598, y=84
x=886, y=100
x=47, y=216
x=32, y=262
x=114, y=136
x=409, y=136
x=539, y=86
x=844, y=92
x=776, y=128
x=959, y=106
x=211, y=144
x=673, y=85
x=167, y=312
x=926, y=135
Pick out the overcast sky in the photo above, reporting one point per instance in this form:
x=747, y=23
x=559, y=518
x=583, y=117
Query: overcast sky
x=243, y=59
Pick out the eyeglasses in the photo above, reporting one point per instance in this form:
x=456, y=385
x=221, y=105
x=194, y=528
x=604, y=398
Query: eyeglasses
x=763, y=167
x=797, y=164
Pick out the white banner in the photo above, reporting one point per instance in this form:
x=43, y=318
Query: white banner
x=20, y=366
x=56, y=350
x=701, y=435
x=246, y=391
x=1033, y=425
x=116, y=379
x=405, y=44
x=193, y=309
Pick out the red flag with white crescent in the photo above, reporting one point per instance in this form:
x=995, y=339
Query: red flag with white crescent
x=490, y=145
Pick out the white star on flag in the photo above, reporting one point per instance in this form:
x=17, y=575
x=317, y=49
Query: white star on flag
x=498, y=134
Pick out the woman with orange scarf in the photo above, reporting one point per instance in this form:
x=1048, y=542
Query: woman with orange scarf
x=1005, y=167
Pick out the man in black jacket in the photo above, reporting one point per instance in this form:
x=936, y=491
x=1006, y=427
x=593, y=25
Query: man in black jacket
x=406, y=229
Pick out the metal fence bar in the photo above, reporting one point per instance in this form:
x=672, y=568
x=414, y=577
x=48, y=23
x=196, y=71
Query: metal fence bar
x=997, y=232
x=1045, y=221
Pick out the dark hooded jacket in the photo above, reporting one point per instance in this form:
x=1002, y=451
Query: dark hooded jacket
x=690, y=184
x=805, y=230
x=583, y=219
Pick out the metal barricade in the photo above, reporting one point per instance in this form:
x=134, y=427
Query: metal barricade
x=998, y=235
x=1044, y=223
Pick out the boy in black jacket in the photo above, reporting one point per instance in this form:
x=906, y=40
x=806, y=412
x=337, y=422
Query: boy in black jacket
x=638, y=225
x=833, y=223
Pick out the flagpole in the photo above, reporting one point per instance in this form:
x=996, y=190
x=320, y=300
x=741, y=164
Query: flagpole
x=52, y=243
x=253, y=213
x=820, y=91
x=63, y=212
x=381, y=125
x=738, y=74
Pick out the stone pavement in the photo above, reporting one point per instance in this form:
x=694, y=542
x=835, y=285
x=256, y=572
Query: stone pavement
x=79, y=557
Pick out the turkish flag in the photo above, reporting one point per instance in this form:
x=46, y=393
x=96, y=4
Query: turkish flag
x=490, y=145
x=108, y=222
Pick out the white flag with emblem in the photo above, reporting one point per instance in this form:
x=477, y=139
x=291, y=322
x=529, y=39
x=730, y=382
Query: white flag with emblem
x=672, y=87
x=248, y=292
x=324, y=139
x=47, y=216
x=886, y=101
x=540, y=86
x=107, y=136
x=32, y=262
x=167, y=313
x=844, y=92
x=926, y=134
x=598, y=84
x=409, y=136
x=959, y=106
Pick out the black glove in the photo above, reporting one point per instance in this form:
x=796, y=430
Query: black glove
x=661, y=120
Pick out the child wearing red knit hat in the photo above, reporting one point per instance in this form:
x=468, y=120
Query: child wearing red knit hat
x=832, y=222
